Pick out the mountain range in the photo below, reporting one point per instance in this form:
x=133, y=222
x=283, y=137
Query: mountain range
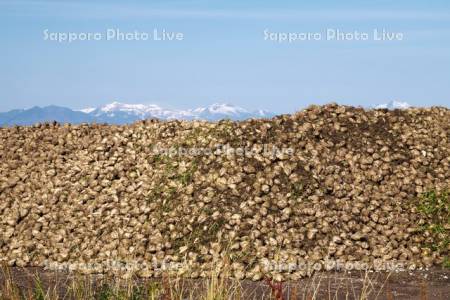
x=121, y=113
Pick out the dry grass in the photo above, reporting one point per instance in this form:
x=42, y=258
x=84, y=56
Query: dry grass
x=216, y=287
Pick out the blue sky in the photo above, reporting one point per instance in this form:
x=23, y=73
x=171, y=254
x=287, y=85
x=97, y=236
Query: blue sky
x=223, y=56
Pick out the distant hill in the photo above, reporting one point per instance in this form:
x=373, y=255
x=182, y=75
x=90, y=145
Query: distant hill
x=42, y=114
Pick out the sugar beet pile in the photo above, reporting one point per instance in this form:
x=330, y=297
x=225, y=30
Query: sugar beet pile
x=349, y=190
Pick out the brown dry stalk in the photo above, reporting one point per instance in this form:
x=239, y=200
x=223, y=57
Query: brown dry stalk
x=166, y=286
x=277, y=289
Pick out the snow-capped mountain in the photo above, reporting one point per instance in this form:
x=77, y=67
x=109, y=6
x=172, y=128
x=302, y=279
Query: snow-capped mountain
x=394, y=104
x=122, y=113
x=117, y=112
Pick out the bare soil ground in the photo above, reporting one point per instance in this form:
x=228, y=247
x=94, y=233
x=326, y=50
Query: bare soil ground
x=426, y=284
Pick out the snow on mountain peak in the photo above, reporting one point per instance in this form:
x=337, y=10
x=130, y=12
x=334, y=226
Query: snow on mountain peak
x=212, y=112
x=225, y=109
x=394, y=104
x=88, y=110
x=138, y=109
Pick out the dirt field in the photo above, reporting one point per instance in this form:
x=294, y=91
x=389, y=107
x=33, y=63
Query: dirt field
x=430, y=284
